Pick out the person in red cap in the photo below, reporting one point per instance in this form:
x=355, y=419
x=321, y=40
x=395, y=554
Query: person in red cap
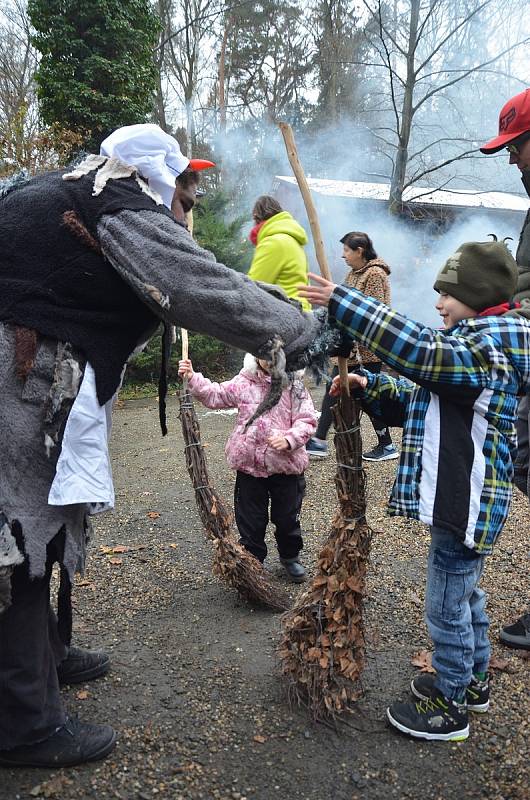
x=514, y=135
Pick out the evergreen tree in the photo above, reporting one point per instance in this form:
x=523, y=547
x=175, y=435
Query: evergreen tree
x=223, y=238
x=97, y=70
x=268, y=61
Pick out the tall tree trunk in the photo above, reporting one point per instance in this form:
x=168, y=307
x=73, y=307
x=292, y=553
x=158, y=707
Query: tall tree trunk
x=407, y=113
x=221, y=80
x=159, y=105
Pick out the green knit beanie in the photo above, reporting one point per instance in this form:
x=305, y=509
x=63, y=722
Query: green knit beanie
x=479, y=274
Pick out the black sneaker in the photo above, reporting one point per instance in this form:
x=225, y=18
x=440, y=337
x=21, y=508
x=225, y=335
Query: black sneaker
x=81, y=665
x=435, y=719
x=294, y=569
x=381, y=453
x=316, y=449
x=518, y=634
x=74, y=743
x=477, y=693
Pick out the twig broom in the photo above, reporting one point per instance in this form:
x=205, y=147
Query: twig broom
x=322, y=650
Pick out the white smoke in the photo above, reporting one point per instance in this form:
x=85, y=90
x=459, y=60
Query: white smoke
x=251, y=157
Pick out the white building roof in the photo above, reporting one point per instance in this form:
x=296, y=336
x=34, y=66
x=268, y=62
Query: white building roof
x=360, y=190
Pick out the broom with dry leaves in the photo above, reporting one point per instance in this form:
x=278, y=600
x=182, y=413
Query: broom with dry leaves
x=322, y=651
x=231, y=562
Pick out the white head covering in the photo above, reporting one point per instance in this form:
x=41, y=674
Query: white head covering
x=155, y=154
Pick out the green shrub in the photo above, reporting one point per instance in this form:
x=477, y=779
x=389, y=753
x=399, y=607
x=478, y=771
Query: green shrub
x=222, y=238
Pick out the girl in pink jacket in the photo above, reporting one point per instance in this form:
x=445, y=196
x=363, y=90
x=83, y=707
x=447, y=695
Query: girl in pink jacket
x=269, y=457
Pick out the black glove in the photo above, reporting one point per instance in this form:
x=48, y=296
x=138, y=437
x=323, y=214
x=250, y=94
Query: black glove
x=340, y=346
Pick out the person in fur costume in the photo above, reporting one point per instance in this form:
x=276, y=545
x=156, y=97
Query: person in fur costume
x=92, y=260
x=268, y=454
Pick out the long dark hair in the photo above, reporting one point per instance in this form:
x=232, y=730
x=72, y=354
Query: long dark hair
x=356, y=239
x=266, y=207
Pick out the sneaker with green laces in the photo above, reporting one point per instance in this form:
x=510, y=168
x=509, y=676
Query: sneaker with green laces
x=477, y=693
x=435, y=719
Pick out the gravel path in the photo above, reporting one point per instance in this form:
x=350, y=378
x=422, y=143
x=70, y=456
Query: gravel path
x=194, y=691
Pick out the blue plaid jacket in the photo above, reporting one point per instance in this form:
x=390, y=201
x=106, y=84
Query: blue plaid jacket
x=458, y=414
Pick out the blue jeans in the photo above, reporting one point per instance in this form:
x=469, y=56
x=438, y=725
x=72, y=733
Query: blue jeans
x=455, y=613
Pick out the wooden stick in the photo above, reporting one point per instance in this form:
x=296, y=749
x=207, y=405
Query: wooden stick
x=305, y=191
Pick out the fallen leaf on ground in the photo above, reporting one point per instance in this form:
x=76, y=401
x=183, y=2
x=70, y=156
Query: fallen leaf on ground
x=502, y=664
x=116, y=561
x=260, y=739
x=81, y=695
x=423, y=660
x=153, y=514
x=52, y=788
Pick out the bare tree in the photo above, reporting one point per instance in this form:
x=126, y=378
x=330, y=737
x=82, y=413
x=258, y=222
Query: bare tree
x=337, y=34
x=18, y=111
x=269, y=58
x=423, y=50
x=186, y=55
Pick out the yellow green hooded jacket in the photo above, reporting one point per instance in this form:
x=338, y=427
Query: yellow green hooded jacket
x=280, y=258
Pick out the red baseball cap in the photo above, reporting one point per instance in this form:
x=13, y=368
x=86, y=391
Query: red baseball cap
x=514, y=120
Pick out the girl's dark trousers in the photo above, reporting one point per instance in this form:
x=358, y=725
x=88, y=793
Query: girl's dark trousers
x=31, y=708
x=251, y=506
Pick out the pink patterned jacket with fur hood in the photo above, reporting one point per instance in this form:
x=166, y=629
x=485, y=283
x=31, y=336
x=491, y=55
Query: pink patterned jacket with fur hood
x=248, y=451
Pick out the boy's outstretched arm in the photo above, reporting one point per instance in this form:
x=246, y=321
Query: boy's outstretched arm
x=429, y=357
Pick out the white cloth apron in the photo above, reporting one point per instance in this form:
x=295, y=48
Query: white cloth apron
x=83, y=473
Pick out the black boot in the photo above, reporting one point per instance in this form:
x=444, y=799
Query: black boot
x=81, y=665
x=294, y=569
x=74, y=743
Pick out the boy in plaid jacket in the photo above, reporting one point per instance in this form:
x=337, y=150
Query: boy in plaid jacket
x=455, y=471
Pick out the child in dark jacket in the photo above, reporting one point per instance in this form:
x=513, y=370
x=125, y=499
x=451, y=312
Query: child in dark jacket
x=455, y=471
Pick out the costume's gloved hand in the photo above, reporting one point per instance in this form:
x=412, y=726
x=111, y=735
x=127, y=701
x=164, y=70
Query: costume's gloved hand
x=315, y=355
x=341, y=345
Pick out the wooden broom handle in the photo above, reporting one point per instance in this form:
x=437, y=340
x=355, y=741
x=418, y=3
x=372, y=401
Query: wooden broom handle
x=305, y=191
x=185, y=349
x=185, y=342
x=183, y=332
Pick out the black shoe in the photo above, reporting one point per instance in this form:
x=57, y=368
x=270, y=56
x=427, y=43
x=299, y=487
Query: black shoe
x=518, y=634
x=317, y=449
x=381, y=452
x=80, y=665
x=437, y=718
x=294, y=569
x=74, y=743
x=477, y=693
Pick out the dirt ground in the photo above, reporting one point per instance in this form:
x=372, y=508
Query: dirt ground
x=194, y=690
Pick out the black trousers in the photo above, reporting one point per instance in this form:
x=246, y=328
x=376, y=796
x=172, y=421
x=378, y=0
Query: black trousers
x=251, y=506
x=31, y=707
x=324, y=423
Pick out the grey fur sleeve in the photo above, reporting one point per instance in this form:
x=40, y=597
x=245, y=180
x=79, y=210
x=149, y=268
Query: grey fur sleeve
x=184, y=285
